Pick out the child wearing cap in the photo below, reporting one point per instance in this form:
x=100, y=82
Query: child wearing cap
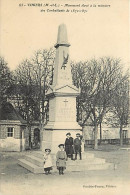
x=61, y=159
x=47, y=161
x=77, y=146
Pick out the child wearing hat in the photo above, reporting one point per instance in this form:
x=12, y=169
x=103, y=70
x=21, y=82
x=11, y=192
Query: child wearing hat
x=47, y=161
x=61, y=159
x=69, y=146
x=77, y=146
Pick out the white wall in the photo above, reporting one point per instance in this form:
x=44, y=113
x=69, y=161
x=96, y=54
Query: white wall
x=107, y=133
x=10, y=144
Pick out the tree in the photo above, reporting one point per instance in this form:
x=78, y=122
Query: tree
x=98, y=81
x=24, y=93
x=5, y=80
x=121, y=103
x=33, y=78
x=43, y=62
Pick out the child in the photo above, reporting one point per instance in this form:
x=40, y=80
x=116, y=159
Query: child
x=69, y=146
x=47, y=161
x=61, y=159
x=77, y=146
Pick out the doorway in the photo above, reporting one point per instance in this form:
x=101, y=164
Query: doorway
x=36, y=143
x=125, y=136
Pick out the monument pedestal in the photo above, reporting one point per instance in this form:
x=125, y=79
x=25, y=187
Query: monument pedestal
x=62, y=118
x=52, y=138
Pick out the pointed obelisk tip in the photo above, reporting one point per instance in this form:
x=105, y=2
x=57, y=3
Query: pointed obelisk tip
x=62, y=35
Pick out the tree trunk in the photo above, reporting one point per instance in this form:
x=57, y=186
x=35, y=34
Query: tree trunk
x=100, y=132
x=96, y=136
x=121, y=135
x=41, y=127
x=41, y=136
x=77, y=105
x=30, y=137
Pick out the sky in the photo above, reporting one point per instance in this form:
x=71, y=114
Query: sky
x=99, y=32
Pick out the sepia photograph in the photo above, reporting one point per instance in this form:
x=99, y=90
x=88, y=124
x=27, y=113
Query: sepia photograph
x=64, y=97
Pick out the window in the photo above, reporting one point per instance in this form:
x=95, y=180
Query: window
x=125, y=134
x=10, y=132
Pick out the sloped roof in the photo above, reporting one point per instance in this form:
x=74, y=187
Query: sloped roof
x=8, y=112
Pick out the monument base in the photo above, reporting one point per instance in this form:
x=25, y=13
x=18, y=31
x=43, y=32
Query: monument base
x=34, y=163
x=52, y=138
x=69, y=126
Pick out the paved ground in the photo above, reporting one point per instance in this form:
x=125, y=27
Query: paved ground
x=17, y=180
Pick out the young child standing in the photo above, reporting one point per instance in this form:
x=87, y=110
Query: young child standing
x=61, y=159
x=47, y=161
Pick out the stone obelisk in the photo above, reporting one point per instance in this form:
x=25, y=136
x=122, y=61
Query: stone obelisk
x=62, y=97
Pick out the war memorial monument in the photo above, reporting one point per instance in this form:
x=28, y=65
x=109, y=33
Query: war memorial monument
x=62, y=116
x=62, y=97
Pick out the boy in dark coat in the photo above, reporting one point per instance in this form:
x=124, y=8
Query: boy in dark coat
x=77, y=146
x=61, y=159
x=69, y=146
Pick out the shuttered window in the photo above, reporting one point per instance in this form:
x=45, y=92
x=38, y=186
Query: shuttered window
x=10, y=131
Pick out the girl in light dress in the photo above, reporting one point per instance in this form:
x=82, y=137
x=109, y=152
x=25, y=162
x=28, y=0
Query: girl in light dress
x=47, y=161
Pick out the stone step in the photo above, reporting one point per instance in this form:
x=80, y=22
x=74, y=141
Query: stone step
x=124, y=149
x=104, y=166
x=34, y=160
x=30, y=166
x=86, y=161
x=85, y=155
x=38, y=154
x=37, y=170
x=39, y=162
x=34, y=163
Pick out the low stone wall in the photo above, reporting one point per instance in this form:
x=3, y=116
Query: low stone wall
x=89, y=143
x=12, y=144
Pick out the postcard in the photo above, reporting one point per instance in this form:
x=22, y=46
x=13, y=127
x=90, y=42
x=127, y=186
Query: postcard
x=64, y=97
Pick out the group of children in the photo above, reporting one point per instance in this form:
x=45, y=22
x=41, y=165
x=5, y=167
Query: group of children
x=61, y=157
x=60, y=160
